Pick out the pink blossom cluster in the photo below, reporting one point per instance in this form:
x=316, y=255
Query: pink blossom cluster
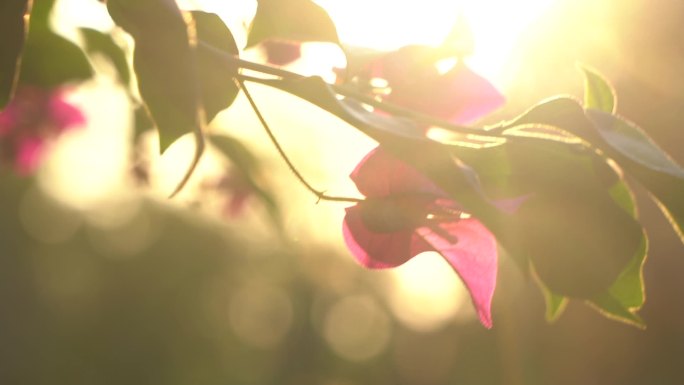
x=34, y=118
x=405, y=213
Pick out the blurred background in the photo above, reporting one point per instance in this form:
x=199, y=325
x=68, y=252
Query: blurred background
x=105, y=281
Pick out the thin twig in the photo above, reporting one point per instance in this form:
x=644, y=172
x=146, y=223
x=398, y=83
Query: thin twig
x=319, y=194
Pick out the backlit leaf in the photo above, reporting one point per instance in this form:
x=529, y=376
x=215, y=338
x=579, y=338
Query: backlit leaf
x=50, y=60
x=598, y=93
x=610, y=307
x=635, y=152
x=291, y=20
x=216, y=78
x=577, y=237
x=164, y=64
x=626, y=294
x=102, y=43
x=640, y=157
x=555, y=303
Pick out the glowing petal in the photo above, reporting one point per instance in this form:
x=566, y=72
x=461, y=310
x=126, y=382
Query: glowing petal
x=473, y=254
x=460, y=96
x=380, y=174
x=29, y=155
x=63, y=114
x=378, y=250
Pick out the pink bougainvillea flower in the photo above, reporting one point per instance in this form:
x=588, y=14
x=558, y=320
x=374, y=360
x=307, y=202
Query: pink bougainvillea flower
x=405, y=213
x=459, y=96
x=33, y=118
x=280, y=52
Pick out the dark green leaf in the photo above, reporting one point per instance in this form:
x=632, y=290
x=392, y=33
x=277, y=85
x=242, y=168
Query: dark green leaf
x=562, y=112
x=643, y=159
x=13, y=30
x=622, y=141
x=598, y=93
x=628, y=290
x=292, y=20
x=578, y=238
x=164, y=64
x=626, y=294
x=103, y=44
x=249, y=165
x=631, y=142
x=216, y=77
x=50, y=60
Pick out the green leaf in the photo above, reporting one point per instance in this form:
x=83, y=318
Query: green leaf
x=577, y=237
x=629, y=287
x=631, y=142
x=216, y=78
x=40, y=13
x=164, y=64
x=634, y=151
x=563, y=112
x=569, y=226
x=643, y=159
x=249, y=165
x=555, y=303
x=50, y=60
x=97, y=42
x=13, y=30
x=291, y=20
x=598, y=93
x=610, y=307
x=626, y=295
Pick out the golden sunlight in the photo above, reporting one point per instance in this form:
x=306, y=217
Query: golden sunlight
x=387, y=24
x=426, y=293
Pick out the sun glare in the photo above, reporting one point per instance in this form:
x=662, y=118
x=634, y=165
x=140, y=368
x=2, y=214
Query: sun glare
x=387, y=24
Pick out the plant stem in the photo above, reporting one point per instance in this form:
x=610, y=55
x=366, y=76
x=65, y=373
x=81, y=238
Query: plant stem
x=348, y=92
x=319, y=194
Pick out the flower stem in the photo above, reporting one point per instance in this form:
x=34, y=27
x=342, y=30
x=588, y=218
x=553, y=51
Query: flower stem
x=322, y=196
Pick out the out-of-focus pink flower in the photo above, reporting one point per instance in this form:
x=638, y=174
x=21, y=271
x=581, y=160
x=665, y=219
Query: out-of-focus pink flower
x=459, y=96
x=404, y=214
x=280, y=52
x=238, y=188
x=34, y=118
